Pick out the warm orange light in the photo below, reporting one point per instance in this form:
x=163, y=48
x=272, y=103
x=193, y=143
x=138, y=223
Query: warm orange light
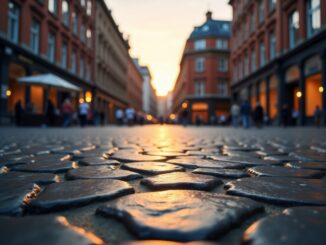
x=172, y=116
x=299, y=94
x=8, y=93
x=184, y=105
x=149, y=117
x=321, y=89
x=88, y=96
x=81, y=100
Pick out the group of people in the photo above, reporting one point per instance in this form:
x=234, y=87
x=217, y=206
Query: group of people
x=245, y=114
x=128, y=117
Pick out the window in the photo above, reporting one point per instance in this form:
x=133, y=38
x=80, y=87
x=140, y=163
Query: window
x=89, y=7
x=271, y=5
x=75, y=23
x=222, y=44
x=252, y=21
x=253, y=60
x=81, y=67
x=200, y=44
x=65, y=12
x=222, y=89
x=89, y=38
x=199, y=88
x=74, y=61
x=261, y=9
x=200, y=64
x=223, y=65
x=83, y=3
x=262, y=53
x=82, y=33
x=246, y=64
x=35, y=37
x=53, y=7
x=13, y=23
x=64, y=55
x=294, y=29
x=313, y=17
x=272, y=46
x=51, y=47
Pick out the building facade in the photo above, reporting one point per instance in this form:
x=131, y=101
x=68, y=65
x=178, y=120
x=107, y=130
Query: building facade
x=149, y=93
x=38, y=37
x=202, y=86
x=278, y=56
x=135, y=85
x=111, y=64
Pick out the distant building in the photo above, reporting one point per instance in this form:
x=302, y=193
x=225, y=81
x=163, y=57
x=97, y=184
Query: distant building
x=112, y=64
x=149, y=93
x=279, y=56
x=38, y=37
x=135, y=85
x=162, y=106
x=203, y=84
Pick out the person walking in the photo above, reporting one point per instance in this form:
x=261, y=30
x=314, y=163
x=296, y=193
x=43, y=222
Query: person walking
x=259, y=115
x=184, y=117
x=18, y=113
x=50, y=115
x=119, y=117
x=246, y=114
x=317, y=116
x=130, y=115
x=67, y=111
x=83, y=113
x=235, y=112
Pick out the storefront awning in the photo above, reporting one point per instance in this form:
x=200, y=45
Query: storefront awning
x=49, y=80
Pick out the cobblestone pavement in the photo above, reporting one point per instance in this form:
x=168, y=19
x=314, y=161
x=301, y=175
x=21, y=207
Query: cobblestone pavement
x=114, y=185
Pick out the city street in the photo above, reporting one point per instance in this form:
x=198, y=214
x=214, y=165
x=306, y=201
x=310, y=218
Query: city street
x=112, y=185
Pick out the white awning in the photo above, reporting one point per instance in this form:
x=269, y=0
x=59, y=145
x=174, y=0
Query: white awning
x=49, y=80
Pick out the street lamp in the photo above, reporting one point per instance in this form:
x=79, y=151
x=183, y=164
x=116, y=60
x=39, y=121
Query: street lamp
x=88, y=96
x=321, y=89
x=184, y=105
x=299, y=94
x=8, y=93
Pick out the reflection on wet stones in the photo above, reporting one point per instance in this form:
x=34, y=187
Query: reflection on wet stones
x=77, y=193
x=179, y=215
x=308, y=165
x=101, y=172
x=14, y=195
x=46, y=167
x=246, y=161
x=204, y=163
x=277, y=171
x=300, y=225
x=152, y=168
x=158, y=242
x=281, y=191
x=223, y=173
x=48, y=230
x=97, y=161
x=181, y=180
x=135, y=157
x=25, y=177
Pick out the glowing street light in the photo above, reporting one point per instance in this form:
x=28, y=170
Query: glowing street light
x=81, y=100
x=184, y=105
x=149, y=117
x=299, y=94
x=88, y=96
x=172, y=116
x=321, y=89
x=8, y=93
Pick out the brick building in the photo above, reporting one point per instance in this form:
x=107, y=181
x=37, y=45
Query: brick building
x=135, y=85
x=149, y=93
x=202, y=86
x=48, y=36
x=111, y=64
x=278, y=56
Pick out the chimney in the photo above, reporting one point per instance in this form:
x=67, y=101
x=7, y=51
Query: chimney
x=209, y=15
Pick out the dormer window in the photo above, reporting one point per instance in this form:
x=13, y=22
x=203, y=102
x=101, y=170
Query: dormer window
x=205, y=28
x=200, y=44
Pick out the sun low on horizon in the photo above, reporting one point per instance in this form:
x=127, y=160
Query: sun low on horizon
x=159, y=29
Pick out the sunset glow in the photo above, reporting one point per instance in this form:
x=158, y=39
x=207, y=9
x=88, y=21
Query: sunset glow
x=158, y=31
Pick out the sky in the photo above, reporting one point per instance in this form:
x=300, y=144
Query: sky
x=158, y=30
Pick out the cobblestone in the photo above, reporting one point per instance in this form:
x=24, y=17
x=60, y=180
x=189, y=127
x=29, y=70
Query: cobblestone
x=246, y=179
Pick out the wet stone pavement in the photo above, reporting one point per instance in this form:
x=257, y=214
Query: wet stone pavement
x=162, y=185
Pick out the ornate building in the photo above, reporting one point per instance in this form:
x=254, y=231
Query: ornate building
x=279, y=56
x=202, y=86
